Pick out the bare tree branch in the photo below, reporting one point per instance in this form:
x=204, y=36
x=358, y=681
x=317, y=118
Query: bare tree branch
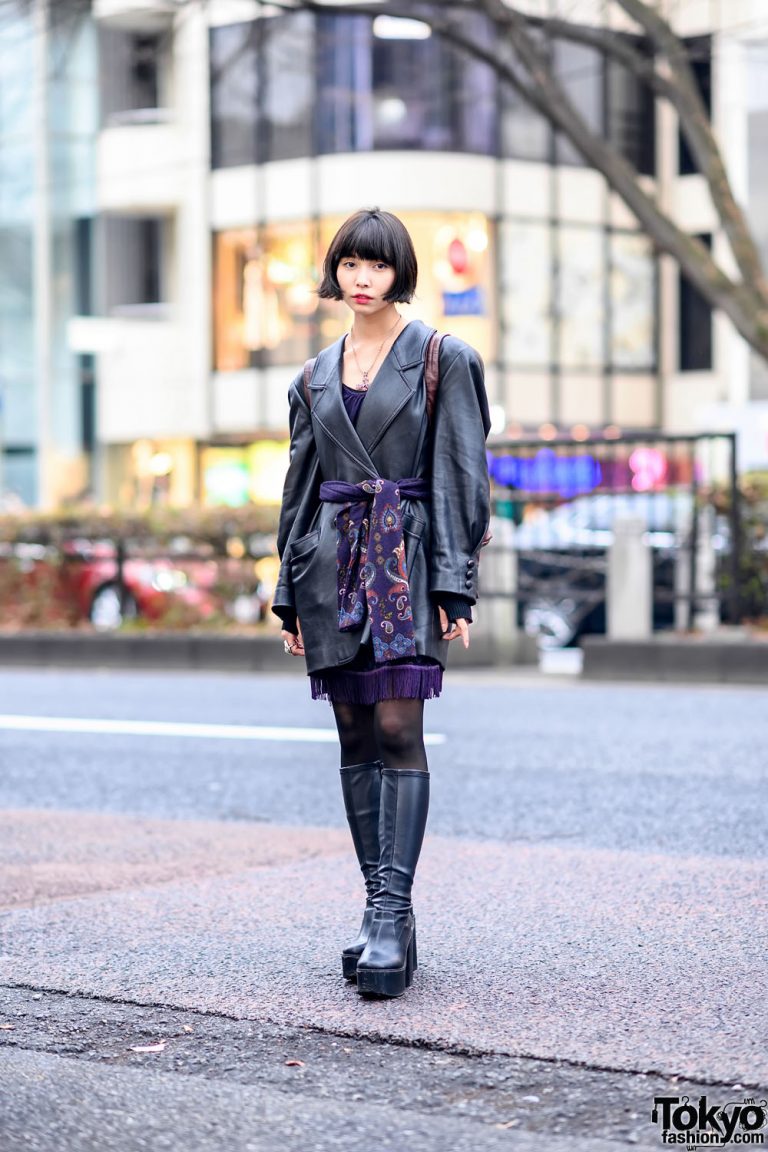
x=695, y=125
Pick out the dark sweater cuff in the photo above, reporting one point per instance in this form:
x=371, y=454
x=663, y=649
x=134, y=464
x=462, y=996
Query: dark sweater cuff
x=288, y=617
x=455, y=607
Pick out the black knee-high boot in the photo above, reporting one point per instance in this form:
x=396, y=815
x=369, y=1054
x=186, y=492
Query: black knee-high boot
x=361, y=788
x=386, y=965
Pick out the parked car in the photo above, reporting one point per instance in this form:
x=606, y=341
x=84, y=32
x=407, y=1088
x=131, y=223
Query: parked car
x=562, y=560
x=88, y=583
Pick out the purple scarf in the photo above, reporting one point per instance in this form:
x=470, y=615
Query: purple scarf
x=370, y=561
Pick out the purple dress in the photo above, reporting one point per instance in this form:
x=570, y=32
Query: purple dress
x=362, y=680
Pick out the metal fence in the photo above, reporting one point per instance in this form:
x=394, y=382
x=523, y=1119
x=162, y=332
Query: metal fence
x=556, y=503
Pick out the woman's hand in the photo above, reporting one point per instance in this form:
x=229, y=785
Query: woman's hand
x=294, y=640
x=454, y=630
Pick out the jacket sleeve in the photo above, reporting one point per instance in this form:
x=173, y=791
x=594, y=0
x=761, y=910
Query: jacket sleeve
x=301, y=496
x=461, y=505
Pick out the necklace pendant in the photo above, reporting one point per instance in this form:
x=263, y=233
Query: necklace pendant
x=365, y=382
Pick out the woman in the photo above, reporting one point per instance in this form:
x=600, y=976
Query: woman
x=384, y=510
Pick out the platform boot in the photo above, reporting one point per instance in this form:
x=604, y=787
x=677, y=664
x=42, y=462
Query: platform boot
x=361, y=788
x=388, y=961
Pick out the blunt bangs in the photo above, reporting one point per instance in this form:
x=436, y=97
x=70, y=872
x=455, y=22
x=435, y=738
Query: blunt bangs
x=372, y=235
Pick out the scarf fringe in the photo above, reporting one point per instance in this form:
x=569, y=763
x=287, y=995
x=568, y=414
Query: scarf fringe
x=395, y=682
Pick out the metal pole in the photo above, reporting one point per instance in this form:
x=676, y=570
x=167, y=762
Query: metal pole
x=734, y=598
x=693, y=539
x=42, y=270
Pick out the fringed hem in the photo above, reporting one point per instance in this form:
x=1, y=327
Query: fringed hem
x=396, y=682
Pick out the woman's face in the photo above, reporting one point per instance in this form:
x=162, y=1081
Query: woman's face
x=364, y=284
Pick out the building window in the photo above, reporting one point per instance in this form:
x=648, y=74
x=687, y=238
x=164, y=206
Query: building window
x=265, y=296
x=83, y=265
x=373, y=92
x=287, y=50
x=135, y=264
x=631, y=115
x=525, y=133
x=580, y=297
x=132, y=75
x=233, y=95
x=526, y=293
x=632, y=302
x=695, y=325
x=700, y=55
x=262, y=90
x=580, y=72
x=379, y=91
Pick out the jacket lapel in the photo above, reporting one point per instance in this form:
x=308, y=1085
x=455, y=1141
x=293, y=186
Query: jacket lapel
x=393, y=386
x=329, y=411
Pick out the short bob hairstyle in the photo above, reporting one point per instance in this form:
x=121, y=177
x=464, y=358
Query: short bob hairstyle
x=372, y=235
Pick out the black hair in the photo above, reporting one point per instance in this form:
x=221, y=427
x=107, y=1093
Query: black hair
x=372, y=235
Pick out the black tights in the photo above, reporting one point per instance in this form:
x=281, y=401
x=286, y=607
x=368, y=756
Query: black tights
x=391, y=731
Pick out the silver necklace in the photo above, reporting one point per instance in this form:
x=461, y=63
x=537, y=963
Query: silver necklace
x=365, y=382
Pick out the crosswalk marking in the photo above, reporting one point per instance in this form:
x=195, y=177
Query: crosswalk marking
x=177, y=729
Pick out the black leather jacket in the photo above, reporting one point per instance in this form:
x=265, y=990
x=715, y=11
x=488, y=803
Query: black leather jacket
x=393, y=439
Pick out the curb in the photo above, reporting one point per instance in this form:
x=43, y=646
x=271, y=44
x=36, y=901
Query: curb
x=703, y=661
x=194, y=652
x=159, y=650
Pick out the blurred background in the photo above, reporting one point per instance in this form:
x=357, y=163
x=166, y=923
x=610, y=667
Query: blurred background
x=586, y=189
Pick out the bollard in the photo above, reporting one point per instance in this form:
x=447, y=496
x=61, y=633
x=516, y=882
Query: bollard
x=706, y=616
x=496, y=638
x=629, y=582
x=682, y=581
x=499, y=572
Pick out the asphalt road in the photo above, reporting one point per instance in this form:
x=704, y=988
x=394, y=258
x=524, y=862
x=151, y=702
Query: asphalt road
x=591, y=902
x=669, y=769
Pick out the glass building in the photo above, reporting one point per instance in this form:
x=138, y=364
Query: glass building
x=48, y=95
x=190, y=220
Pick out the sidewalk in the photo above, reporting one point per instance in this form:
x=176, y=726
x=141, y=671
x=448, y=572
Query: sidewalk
x=527, y=950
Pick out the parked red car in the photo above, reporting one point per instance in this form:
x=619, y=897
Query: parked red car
x=88, y=580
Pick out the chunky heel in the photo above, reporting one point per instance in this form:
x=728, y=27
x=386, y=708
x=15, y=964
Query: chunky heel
x=354, y=951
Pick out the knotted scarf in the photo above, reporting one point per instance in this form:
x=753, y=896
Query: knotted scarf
x=370, y=561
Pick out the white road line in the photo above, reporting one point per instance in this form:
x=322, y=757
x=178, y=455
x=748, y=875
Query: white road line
x=164, y=728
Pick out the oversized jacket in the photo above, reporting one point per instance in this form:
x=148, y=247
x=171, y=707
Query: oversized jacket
x=393, y=439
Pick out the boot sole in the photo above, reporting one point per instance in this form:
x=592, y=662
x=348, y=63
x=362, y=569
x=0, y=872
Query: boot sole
x=349, y=966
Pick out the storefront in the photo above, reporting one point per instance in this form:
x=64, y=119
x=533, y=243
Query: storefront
x=235, y=475
x=266, y=308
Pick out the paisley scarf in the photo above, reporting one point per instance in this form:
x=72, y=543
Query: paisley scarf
x=370, y=561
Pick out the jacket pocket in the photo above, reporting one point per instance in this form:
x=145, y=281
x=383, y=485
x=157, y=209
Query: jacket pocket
x=302, y=552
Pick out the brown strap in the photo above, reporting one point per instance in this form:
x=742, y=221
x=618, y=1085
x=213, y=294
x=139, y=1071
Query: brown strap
x=307, y=377
x=432, y=371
